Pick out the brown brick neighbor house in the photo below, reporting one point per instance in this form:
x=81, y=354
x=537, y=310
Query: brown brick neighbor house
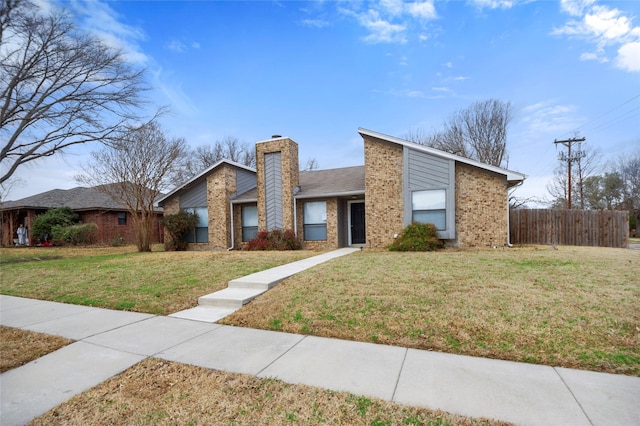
x=92, y=206
x=367, y=205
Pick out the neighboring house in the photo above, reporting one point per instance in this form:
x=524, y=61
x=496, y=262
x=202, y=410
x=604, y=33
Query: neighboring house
x=368, y=205
x=92, y=206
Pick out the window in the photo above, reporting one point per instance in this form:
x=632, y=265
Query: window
x=315, y=221
x=122, y=218
x=249, y=222
x=201, y=232
x=430, y=207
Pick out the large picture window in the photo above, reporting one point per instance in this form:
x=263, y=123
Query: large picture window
x=430, y=207
x=201, y=232
x=249, y=222
x=315, y=221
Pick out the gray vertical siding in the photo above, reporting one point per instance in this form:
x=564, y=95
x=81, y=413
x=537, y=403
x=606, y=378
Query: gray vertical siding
x=425, y=171
x=273, y=190
x=196, y=196
x=245, y=181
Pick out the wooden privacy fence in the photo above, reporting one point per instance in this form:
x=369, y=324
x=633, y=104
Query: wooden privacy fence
x=603, y=228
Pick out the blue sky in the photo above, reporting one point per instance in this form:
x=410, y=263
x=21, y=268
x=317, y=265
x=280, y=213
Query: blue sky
x=316, y=71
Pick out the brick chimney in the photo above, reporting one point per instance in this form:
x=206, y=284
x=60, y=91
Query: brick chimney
x=278, y=173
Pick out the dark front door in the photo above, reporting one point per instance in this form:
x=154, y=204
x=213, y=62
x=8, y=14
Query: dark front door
x=357, y=223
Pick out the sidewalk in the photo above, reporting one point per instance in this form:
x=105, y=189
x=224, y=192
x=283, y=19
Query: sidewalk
x=108, y=342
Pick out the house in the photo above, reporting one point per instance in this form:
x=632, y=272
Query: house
x=367, y=205
x=92, y=206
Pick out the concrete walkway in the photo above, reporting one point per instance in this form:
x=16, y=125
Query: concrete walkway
x=108, y=342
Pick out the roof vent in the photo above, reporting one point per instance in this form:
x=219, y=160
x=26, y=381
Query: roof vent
x=276, y=136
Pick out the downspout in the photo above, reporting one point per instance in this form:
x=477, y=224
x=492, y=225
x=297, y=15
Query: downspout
x=508, y=219
x=231, y=218
x=295, y=211
x=295, y=217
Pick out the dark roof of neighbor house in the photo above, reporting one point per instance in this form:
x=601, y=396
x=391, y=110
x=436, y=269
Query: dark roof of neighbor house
x=322, y=183
x=79, y=198
x=513, y=178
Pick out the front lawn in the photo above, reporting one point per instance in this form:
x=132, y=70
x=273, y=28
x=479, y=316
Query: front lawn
x=576, y=307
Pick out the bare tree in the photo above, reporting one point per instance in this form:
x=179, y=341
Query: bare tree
x=59, y=86
x=628, y=167
x=478, y=132
x=205, y=156
x=133, y=170
x=311, y=164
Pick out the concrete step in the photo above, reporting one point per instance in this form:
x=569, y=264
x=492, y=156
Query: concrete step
x=257, y=283
x=230, y=297
x=204, y=313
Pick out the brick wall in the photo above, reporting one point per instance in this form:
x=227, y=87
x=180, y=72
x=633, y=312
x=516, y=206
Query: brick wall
x=481, y=207
x=220, y=185
x=290, y=177
x=171, y=206
x=384, y=204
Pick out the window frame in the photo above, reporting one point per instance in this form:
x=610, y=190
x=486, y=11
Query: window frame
x=435, y=206
x=314, y=225
x=199, y=234
x=122, y=218
x=251, y=230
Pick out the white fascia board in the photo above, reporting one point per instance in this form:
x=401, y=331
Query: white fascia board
x=511, y=175
x=203, y=173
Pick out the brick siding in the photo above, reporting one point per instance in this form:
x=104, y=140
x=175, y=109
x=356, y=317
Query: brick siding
x=384, y=202
x=481, y=207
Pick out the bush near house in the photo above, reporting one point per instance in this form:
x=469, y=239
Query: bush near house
x=276, y=239
x=75, y=234
x=44, y=223
x=177, y=225
x=418, y=237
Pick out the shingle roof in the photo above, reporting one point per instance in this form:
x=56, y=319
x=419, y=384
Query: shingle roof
x=322, y=183
x=79, y=198
x=331, y=182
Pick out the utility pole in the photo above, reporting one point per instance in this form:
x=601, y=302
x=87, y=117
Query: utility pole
x=569, y=158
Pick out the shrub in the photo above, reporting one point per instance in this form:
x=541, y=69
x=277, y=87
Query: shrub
x=75, y=234
x=418, y=237
x=276, y=239
x=43, y=223
x=177, y=225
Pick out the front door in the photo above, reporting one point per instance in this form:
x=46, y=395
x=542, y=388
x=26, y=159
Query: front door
x=357, y=223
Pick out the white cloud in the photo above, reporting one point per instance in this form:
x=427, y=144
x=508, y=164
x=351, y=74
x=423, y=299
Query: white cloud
x=607, y=23
x=423, y=10
x=549, y=119
x=314, y=23
x=391, y=21
x=382, y=31
x=629, y=57
x=593, y=56
x=575, y=7
x=99, y=19
x=176, y=46
x=604, y=27
x=493, y=4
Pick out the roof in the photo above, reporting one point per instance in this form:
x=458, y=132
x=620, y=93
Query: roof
x=513, y=178
x=79, y=198
x=321, y=183
x=202, y=174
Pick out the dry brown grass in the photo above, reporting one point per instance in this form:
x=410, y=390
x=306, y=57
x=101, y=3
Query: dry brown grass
x=157, y=392
x=18, y=347
x=120, y=278
x=576, y=307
